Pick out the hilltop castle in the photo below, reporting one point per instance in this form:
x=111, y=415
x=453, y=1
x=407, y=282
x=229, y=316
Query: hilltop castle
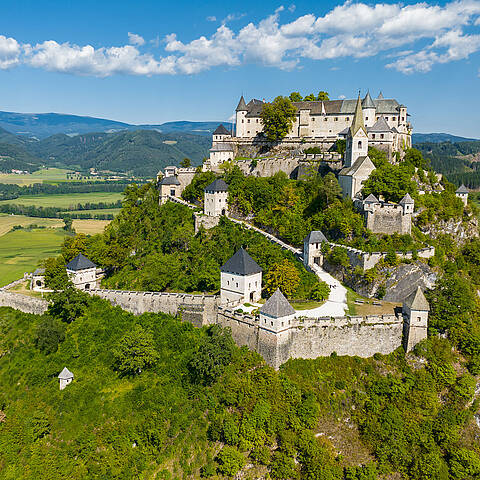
x=317, y=123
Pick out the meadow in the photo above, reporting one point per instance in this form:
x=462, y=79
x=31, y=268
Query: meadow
x=65, y=200
x=7, y=222
x=22, y=250
x=103, y=211
x=45, y=175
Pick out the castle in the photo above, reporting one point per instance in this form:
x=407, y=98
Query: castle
x=317, y=123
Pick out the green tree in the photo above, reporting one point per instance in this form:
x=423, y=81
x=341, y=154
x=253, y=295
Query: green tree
x=277, y=118
x=295, y=97
x=55, y=273
x=284, y=276
x=230, y=461
x=214, y=353
x=378, y=157
x=68, y=227
x=135, y=352
x=322, y=95
x=50, y=333
x=320, y=291
x=68, y=304
x=310, y=98
x=186, y=163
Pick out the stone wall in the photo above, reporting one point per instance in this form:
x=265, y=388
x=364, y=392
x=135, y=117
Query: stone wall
x=205, y=221
x=197, y=309
x=365, y=260
x=23, y=303
x=316, y=337
x=388, y=219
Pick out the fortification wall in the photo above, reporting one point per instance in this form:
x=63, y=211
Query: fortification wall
x=205, y=221
x=197, y=309
x=365, y=260
x=23, y=303
x=388, y=219
x=244, y=327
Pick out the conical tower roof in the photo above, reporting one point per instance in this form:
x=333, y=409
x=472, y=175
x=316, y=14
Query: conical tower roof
x=462, y=189
x=357, y=122
x=367, y=102
x=380, y=96
x=406, y=199
x=241, y=104
x=277, y=306
x=65, y=374
x=417, y=301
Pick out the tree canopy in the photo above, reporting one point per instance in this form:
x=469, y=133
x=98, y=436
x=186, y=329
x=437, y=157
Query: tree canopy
x=277, y=118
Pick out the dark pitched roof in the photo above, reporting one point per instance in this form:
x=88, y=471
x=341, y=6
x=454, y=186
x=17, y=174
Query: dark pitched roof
x=371, y=199
x=39, y=271
x=461, y=189
x=315, y=237
x=417, y=301
x=241, y=263
x=406, y=199
x=241, y=104
x=80, y=262
x=217, y=185
x=65, y=374
x=171, y=180
x=367, y=102
x=221, y=130
x=380, y=125
x=277, y=306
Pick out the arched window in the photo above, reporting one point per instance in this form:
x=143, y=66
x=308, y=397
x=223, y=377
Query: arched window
x=360, y=144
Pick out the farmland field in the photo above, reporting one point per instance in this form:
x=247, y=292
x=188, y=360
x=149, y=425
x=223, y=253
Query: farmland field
x=103, y=211
x=9, y=221
x=45, y=175
x=90, y=227
x=65, y=200
x=21, y=251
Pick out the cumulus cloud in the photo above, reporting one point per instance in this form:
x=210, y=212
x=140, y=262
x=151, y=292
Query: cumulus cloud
x=413, y=37
x=9, y=52
x=135, y=39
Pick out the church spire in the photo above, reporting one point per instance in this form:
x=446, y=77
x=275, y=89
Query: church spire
x=357, y=123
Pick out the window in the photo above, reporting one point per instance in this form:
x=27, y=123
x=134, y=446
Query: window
x=394, y=118
x=242, y=120
x=373, y=136
x=172, y=193
x=386, y=118
x=336, y=119
x=313, y=119
x=366, y=118
x=382, y=135
x=282, y=324
x=347, y=119
x=403, y=119
x=237, y=285
x=419, y=319
x=271, y=323
x=325, y=119
x=248, y=131
x=359, y=144
x=228, y=283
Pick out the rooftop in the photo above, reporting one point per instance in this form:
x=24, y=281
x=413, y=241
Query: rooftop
x=221, y=130
x=172, y=180
x=65, y=374
x=407, y=199
x=315, y=237
x=241, y=263
x=80, y=262
x=417, y=301
x=217, y=185
x=277, y=306
x=462, y=189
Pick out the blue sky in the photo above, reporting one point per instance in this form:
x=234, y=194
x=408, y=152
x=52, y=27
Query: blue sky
x=156, y=61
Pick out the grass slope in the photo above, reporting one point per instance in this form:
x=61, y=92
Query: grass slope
x=65, y=200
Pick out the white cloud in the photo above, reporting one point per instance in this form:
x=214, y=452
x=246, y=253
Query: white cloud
x=9, y=52
x=292, y=8
x=413, y=37
x=211, y=18
x=135, y=39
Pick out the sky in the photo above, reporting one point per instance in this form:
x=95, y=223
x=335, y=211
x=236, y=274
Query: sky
x=156, y=61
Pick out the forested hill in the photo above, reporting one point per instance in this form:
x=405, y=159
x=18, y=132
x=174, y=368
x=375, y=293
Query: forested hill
x=459, y=161
x=141, y=152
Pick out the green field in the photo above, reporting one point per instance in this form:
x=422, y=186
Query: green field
x=9, y=221
x=21, y=251
x=45, y=175
x=65, y=200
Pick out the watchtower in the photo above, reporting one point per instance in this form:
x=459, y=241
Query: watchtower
x=415, y=312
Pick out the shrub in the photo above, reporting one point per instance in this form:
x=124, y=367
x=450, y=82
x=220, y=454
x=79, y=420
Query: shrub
x=50, y=333
x=230, y=461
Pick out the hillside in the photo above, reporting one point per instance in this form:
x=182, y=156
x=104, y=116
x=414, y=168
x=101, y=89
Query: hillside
x=139, y=152
x=42, y=125
x=438, y=138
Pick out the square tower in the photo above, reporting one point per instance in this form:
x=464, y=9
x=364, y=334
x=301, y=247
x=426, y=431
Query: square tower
x=415, y=312
x=276, y=313
x=215, y=198
x=462, y=194
x=240, y=279
x=82, y=273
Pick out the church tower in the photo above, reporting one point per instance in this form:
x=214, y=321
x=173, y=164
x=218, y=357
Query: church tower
x=357, y=137
x=369, y=110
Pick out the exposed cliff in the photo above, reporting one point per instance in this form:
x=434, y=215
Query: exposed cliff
x=461, y=229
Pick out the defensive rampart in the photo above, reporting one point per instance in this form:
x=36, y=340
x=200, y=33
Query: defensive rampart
x=315, y=337
x=366, y=260
x=197, y=309
x=23, y=303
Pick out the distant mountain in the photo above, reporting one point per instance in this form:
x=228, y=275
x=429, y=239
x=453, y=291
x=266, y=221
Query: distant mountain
x=42, y=125
x=140, y=152
x=438, y=138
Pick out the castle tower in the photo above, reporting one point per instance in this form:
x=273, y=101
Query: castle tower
x=357, y=137
x=462, y=194
x=220, y=134
x=407, y=204
x=312, y=248
x=241, y=112
x=369, y=110
x=276, y=313
x=82, y=272
x=415, y=312
x=169, y=187
x=215, y=198
x=240, y=279
x=370, y=203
